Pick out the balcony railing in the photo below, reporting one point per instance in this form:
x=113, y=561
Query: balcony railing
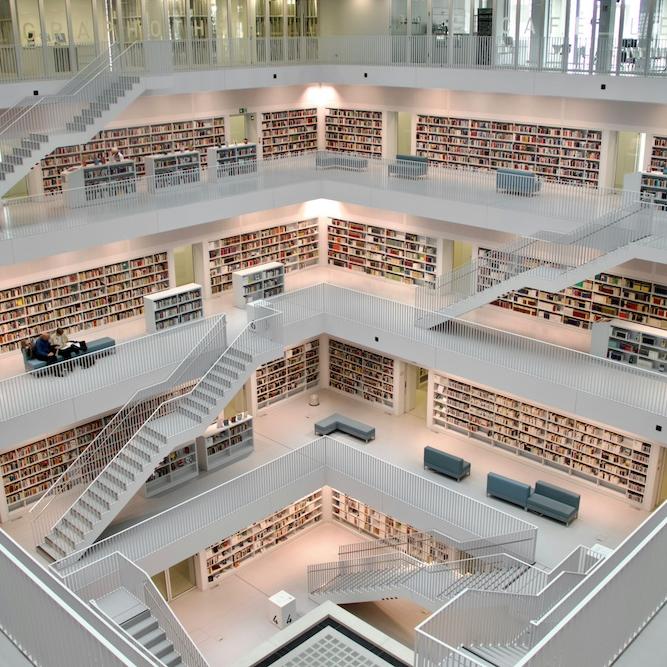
x=562, y=204
x=551, y=54
x=29, y=392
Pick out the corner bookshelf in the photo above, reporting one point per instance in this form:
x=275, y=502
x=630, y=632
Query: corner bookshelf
x=177, y=468
x=225, y=443
x=604, y=296
x=258, y=282
x=83, y=186
x=28, y=471
x=289, y=132
x=230, y=552
x=564, y=154
x=172, y=307
x=232, y=160
x=361, y=373
x=606, y=457
x=297, y=371
x=354, y=131
x=81, y=300
x=294, y=244
x=136, y=142
x=658, y=154
x=635, y=345
x=652, y=187
x=382, y=252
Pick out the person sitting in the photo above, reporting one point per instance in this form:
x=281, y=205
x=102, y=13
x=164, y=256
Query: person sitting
x=44, y=351
x=63, y=346
x=116, y=155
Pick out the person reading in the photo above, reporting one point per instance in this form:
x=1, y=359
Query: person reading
x=44, y=351
x=63, y=346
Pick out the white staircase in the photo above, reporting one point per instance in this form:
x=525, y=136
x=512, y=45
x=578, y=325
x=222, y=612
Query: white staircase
x=497, y=656
x=125, y=454
x=37, y=125
x=549, y=262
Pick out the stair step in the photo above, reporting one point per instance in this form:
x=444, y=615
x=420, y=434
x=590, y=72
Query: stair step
x=197, y=406
x=50, y=547
x=203, y=397
x=163, y=648
x=113, y=482
x=140, y=625
x=65, y=535
x=36, y=136
x=6, y=168
x=152, y=638
x=101, y=495
x=150, y=432
x=130, y=460
x=91, y=505
x=190, y=413
x=82, y=514
x=68, y=522
x=172, y=659
x=136, y=452
x=57, y=544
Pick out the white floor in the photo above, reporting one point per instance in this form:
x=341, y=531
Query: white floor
x=232, y=617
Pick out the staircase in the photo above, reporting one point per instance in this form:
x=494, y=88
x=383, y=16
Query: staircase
x=116, y=465
x=549, y=261
x=498, y=656
x=85, y=104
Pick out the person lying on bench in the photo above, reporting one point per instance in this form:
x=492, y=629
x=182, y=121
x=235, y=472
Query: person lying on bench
x=44, y=351
x=64, y=346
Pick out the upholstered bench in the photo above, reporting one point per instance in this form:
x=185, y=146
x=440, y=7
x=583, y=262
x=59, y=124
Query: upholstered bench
x=97, y=345
x=517, y=182
x=446, y=464
x=347, y=162
x=554, y=502
x=338, y=422
x=408, y=166
x=507, y=489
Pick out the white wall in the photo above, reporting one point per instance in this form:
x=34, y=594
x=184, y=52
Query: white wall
x=353, y=17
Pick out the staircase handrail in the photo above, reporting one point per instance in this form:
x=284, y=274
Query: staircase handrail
x=100, y=444
x=66, y=96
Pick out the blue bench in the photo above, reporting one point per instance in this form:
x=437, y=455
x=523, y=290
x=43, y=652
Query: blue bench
x=409, y=166
x=517, y=182
x=338, y=422
x=342, y=161
x=554, y=502
x=446, y=464
x=507, y=489
x=97, y=345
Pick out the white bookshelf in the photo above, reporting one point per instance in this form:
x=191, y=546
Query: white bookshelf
x=175, y=469
x=172, y=307
x=354, y=131
x=28, y=471
x=565, y=154
x=360, y=372
x=136, y=143
x=258, y=282
x=604, y=296
x=382, y=252
x=230, y=552
x=615, y=460
x=652, y=186
x=289, y=132
x=94, y=184
x=232, y=160
x=294, y=244
x=658, y=154
x=295, y=372
x=171, y=170
x=81, y=300
x=634, y=344
x=223, y=444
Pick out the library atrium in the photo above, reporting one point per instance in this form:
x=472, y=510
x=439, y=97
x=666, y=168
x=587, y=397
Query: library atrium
x=333, y=332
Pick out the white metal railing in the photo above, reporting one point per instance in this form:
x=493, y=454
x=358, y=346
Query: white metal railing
x=534, y=262
x=558, y=202
x=38, y=389
x=578, y=371
x=125, y=423
x=33, y=119
x=323, y=461
x=108, y=574
x=551, y=54
x=49, y=624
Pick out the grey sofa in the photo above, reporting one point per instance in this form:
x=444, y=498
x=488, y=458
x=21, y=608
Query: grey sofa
x=446, y=464
x=517, y=182
x=97, y=345
x=507, y=489
x=338, y=422
x=554, y=502
x=340, y=161
x=409, y=166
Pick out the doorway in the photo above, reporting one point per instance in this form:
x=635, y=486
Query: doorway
x=628, y=149
x=184, y=265
x=175, y=581
x=242, y=128
x=661, y=478
x=404, y=133
x=416, y=391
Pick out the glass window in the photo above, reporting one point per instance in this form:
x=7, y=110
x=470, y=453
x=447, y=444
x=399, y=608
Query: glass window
x=219, y=18
x=260, y=19
x=6, y=26
x=239, y=18
x=310, y=23
x=581, y=24
x=154, y=19
x=29, y=26
x=440, y=12
x=55, y=20
x=276, y=17
x=200, y=19
x=132, y=21
x=461, y=17
x=83, y=31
